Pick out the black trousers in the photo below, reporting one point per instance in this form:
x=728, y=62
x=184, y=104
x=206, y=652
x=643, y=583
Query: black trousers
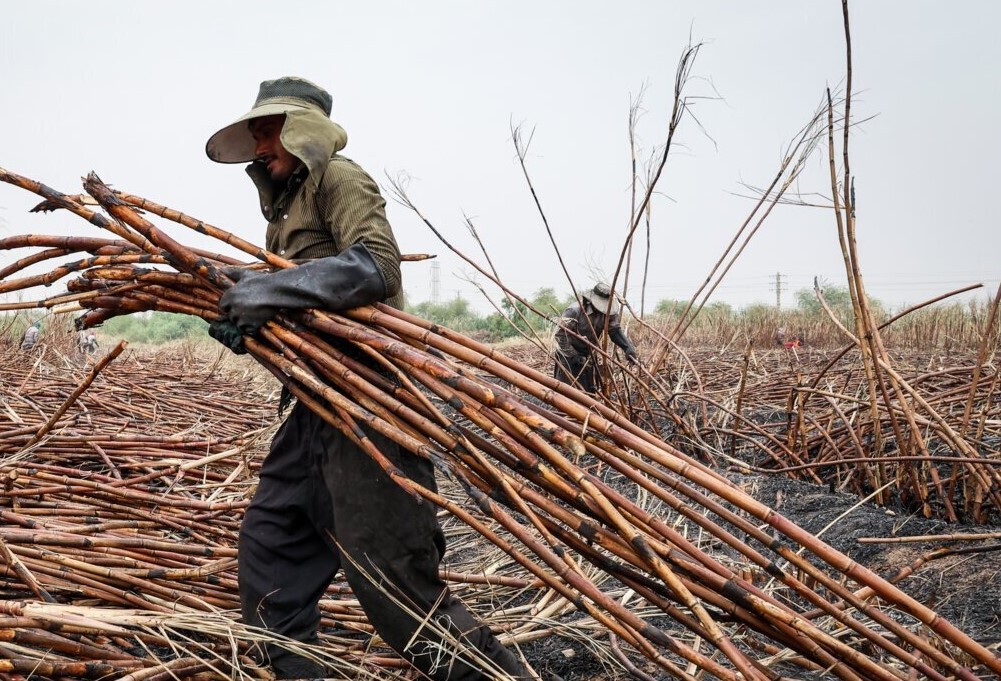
x=315, y=486
x=580, y=368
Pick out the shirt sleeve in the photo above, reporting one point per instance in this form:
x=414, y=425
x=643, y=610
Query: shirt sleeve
x=573, y=325
x=356, y=212
x=566, y=326
x=617, y=336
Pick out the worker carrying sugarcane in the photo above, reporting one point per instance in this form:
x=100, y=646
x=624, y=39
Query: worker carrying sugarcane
x=30, y=337
x=322, y=504
x=577, y=334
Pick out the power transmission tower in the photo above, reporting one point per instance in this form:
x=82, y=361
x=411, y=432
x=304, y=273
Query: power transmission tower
x=780, y=284
x=435, y=283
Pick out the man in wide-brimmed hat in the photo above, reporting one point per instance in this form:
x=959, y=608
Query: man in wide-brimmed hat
x=322, y=503
x=579, y=330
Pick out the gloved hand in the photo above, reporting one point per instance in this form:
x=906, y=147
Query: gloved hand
x=227, y=333
x=238, y=303
x=632, y=357
x=350, y=279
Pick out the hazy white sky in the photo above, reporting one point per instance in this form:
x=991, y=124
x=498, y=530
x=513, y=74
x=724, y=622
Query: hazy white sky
x=132, y=90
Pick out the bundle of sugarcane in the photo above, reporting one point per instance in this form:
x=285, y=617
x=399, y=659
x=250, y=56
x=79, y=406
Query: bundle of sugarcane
x=521, y=446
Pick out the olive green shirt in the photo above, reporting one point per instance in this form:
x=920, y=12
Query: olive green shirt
x=329, y=204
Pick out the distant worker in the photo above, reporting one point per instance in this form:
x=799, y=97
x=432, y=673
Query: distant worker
x=781, y=336
x=793, y=342
x=30, y=337
x=580, y=327
x=86, y=342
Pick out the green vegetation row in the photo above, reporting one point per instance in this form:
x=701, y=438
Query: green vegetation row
x=944, y=326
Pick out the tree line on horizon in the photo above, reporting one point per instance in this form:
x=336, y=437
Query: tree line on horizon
x=718, y=324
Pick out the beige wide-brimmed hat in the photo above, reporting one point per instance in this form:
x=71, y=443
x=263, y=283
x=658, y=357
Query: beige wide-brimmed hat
x=235, y=144
x=599, y=297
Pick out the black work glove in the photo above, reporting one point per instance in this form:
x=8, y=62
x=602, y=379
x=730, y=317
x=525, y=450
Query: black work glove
x=227, y=333
x=350, y=279
x=631, y=356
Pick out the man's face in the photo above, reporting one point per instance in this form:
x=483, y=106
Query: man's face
x=266, y=131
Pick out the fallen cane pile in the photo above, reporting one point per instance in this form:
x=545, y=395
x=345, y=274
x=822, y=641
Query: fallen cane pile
x=760, y=591
x=804, y=413
x=123, y=497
